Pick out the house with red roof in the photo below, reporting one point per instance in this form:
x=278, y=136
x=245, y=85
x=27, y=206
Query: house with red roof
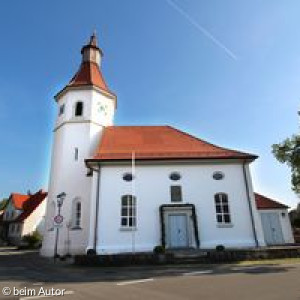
x=275, y=220
x=127, y=189
x=23, y=215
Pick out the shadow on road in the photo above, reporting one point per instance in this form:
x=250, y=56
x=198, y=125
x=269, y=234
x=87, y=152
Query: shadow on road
x=29, y=266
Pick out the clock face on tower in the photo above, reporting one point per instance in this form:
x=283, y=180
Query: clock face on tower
x=102, y=109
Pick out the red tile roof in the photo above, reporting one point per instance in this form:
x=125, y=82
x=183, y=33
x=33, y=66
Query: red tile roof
x=31, y=204
x=158, y=142
x=89, y=74
x=263, y=202
x=18, y=200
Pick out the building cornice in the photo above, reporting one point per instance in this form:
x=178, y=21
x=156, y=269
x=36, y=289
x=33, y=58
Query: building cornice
x=74, y=121
x=168, y=161
x=67, y=88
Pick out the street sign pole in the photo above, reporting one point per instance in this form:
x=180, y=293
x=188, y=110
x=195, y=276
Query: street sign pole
x=58, y=219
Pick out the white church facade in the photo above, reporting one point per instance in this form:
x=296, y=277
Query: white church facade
x=131, y=188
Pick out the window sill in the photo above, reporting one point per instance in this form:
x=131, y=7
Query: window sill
x=128, y=229
x=77, y=118
x=229, y=225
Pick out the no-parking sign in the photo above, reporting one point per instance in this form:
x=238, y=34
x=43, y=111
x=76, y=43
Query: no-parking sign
x=58, y=221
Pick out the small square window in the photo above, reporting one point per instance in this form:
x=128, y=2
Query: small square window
x=176, y=193
x=61, y=109
x=76, y=154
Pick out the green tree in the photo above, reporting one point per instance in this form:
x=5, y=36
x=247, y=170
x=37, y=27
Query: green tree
x=288, y=152
x=3, y=203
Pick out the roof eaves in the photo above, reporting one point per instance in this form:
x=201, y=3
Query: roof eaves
x=87, y=87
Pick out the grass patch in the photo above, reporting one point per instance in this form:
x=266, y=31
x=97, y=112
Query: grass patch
x=276, y=261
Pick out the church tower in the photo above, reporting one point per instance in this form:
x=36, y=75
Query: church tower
x=85, y=107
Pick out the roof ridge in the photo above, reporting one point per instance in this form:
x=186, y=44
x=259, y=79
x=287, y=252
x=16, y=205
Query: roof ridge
x=31, y=205
x=19, y=194
x=214, y=145
x=271, y=200
x=126, y=126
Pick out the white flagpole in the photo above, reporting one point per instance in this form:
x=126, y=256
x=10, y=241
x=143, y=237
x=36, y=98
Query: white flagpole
x=133, y=199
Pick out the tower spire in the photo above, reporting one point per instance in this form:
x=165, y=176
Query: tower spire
x=93, y=39
x=91, y=52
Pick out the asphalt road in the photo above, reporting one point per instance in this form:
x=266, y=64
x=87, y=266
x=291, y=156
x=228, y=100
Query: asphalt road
x=33, y=276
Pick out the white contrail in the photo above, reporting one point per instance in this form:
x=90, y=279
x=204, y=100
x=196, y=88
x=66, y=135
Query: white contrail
x=202, y=29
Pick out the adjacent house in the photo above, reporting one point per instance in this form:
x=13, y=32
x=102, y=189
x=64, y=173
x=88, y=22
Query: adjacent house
x=275, y=220
x=3, y=205
x=23, y=215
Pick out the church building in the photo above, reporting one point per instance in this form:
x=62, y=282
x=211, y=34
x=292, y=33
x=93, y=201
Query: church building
x=131, y=188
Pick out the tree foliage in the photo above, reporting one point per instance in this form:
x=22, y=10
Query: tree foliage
x=33, y=239
x=3, y=203
x=288, y=152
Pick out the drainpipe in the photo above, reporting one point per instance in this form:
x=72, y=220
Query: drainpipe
x=249, y=203
x=97, y=210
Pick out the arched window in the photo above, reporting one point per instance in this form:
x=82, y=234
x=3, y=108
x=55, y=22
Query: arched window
x=222, y=208
x=128, y=212
x=78, y=109
x=51, y=215
x=76, y=214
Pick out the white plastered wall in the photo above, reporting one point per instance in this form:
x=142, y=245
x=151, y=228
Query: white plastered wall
x=69, y=175
x=152, y=186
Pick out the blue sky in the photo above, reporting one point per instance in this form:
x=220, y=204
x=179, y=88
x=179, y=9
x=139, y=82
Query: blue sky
x=226, y=71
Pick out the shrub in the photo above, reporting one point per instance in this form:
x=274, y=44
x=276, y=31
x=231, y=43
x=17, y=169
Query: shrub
x=296, y=223
x=91, y=252
x=220, y=248
x=33, y=239
x=159, y=249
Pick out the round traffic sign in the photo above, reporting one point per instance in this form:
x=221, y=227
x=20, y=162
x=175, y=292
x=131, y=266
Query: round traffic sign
x=58, y=219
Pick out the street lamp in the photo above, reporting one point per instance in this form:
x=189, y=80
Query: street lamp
x=60, y=199
x=58, y=219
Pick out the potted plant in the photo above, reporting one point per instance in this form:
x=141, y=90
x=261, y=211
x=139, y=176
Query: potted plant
x=159, y=253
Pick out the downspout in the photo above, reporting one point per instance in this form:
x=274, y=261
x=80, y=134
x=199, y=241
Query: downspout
x=250, y=206
x=97, y=210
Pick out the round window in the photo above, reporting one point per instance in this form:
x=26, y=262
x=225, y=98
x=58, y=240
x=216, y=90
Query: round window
x=128, y=177
x=175, y=176
x=218, y=175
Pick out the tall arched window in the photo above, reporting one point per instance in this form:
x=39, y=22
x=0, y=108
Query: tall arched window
x=51, y=214
x=79, y=109
x=128, y=212
x=222, y=208
x=76, y=214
